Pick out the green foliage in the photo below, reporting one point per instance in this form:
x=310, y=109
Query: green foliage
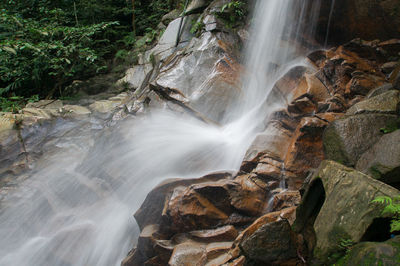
x=392, y=207
x=391, y=127
x=16, y=103
x=232, y=12
x=46, y=44
x=197, y=27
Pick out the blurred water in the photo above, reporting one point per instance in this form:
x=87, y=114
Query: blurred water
x=76, y=206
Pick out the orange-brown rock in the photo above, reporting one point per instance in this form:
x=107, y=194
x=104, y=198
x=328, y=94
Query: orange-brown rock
x=305, y=150
x=285, y=199
x=251, y=196
x=151, y=210
x=221, y=234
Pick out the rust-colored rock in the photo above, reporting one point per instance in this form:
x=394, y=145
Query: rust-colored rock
x=285, y=199
x=225, y=233
x=305, y=151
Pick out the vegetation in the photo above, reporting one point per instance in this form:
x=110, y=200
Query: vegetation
x=46, y=44
x=392, y=208
x=232, y=12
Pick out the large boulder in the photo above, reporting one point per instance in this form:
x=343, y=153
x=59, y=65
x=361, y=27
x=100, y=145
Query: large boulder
x=382, y=161
x=383, y=103
x=338, y=205
x=346, y=139
x=151, y=210
x=271, y=243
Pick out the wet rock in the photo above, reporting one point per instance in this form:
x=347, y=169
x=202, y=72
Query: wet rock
x=274, y=141
x=285, y=200
x=346, y=139
x=151, y=210
x=250, y=197
x=338, y=205
x=189, y=253
x=225, y=233
x=305, y=150
x=373, y=253
x=75, y=111
x=361, y=84
x=382, y=161
x=383, y=103
x=271, y=243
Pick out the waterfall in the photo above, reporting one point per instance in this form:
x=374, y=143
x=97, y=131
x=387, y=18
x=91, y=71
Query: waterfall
x=76, y=206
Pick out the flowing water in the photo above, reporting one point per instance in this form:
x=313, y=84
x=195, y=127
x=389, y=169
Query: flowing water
x=76, y=206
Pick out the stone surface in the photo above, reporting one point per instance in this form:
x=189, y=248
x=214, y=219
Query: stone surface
x=225, y=233
x=382, y=161
x=346, y=139
x=344, y=197
x=379, y=90
x=305, y=150
x=135, y=76
x=271, y=243
x=151, y=210
x=373, y=253
x=189, y=253
x=383, y=103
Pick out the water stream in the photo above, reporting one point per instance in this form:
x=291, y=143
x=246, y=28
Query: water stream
x=76, y=206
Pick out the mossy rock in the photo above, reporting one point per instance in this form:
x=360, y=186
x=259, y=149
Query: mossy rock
x=373, y=254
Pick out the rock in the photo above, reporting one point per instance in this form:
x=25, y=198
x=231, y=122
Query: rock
x=284, y=200
x=250, y=197
x=271, y=243
x=346, y=139
x=46, y=104
x=135, y=76
x=225, y=233
x=76, y=111
x=218, y=252
x=103, y=106
x=305, y=150
x=353, y=18
x=394, y=78
x=388, y=67
x=189, y=253
x=339, y=200
x=379, y=90
x=361, y=84
x=167, y=18
x=274, y=141
x=382, y=161
x=373, y=253
x=151, y=210
x=383, y=103
x=47, y=113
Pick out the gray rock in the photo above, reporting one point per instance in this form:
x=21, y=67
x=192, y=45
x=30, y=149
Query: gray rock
x=382, y=161
x=383, y=103
x=346, y=213
x=379, y=90
x=271, y=243
x=345, y=140
x=135, y=76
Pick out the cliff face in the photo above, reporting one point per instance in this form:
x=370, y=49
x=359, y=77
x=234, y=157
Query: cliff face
x=365, y=19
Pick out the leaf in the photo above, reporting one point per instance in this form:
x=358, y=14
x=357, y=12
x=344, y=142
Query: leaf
x=10, y=50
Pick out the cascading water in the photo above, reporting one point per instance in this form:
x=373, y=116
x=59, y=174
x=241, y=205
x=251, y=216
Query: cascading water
x=73, y=213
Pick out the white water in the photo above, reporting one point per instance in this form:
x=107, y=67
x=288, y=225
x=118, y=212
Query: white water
x=76, y=208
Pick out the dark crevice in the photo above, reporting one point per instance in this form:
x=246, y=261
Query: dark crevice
x=378, y=231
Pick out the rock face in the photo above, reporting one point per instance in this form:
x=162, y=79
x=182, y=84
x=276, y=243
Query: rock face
x=353, y=19
x=271, y=243
x=382, y=161
x=345, y=140
x=340, y=200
